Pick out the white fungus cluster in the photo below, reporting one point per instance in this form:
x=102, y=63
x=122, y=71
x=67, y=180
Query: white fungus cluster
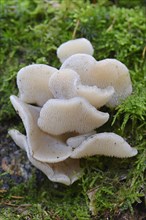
x=60, y=110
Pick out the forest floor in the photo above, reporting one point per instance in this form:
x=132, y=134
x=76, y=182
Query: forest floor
x=16, y=170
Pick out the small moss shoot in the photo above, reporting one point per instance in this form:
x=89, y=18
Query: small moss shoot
x=31, y=31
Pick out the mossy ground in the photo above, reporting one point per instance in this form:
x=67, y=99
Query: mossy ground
x=30, y=33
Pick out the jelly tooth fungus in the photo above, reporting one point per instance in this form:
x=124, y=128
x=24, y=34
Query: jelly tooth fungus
x=60, y=110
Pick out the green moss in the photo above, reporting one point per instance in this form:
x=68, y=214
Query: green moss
x=51, y=200
x=31, y=33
